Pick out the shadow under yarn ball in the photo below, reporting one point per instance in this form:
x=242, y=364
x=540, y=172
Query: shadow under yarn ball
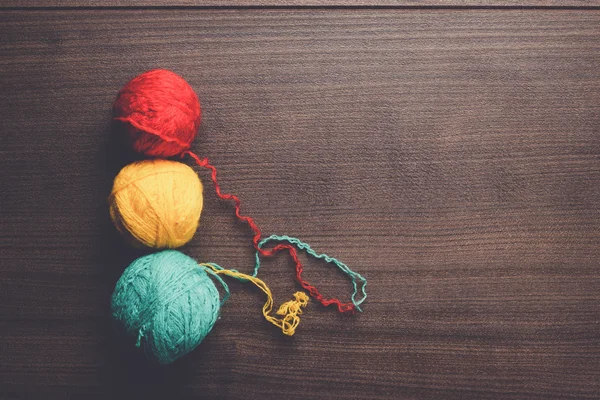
x=156, y=203
x=167, y=303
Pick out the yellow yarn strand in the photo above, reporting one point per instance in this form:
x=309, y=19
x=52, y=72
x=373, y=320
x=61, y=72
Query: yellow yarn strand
x=289, y=310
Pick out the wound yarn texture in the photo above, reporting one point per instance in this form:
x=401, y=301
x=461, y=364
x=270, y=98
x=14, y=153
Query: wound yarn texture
x=160, y=113
x=157, y=203
x=167, y=302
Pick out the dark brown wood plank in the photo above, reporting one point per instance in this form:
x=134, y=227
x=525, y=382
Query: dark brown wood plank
x=453, y=158
x=302, y=3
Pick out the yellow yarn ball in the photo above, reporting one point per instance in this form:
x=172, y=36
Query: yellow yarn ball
x=157, y=203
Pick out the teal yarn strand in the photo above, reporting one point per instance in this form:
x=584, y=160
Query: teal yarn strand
x=356, y=278
x=168, y=303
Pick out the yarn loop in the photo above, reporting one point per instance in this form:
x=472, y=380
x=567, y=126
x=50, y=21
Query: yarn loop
x=356, y=278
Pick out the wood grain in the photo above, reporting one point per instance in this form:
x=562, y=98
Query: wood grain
x=302, y=3
x=452, y=157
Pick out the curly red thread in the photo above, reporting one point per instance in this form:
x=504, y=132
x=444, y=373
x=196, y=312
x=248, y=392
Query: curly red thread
x=314, y=292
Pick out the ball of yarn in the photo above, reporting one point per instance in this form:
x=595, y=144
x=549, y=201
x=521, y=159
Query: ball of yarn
x=167, y=302
x=157, y=203
x=160, y=112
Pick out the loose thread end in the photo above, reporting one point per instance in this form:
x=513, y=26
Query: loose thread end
x=290, y=310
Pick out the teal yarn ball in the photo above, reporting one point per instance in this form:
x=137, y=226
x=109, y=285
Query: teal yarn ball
x=167, y=302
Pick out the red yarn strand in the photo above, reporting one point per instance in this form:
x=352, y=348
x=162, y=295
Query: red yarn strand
x=314, y=292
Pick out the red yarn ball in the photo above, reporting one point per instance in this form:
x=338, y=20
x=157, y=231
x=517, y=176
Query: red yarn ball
x=160, y=113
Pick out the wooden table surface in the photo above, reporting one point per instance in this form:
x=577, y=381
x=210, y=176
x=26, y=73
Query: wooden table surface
x=449, y=151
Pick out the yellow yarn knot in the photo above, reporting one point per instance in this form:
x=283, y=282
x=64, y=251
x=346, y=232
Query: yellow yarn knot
x=290, y=309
